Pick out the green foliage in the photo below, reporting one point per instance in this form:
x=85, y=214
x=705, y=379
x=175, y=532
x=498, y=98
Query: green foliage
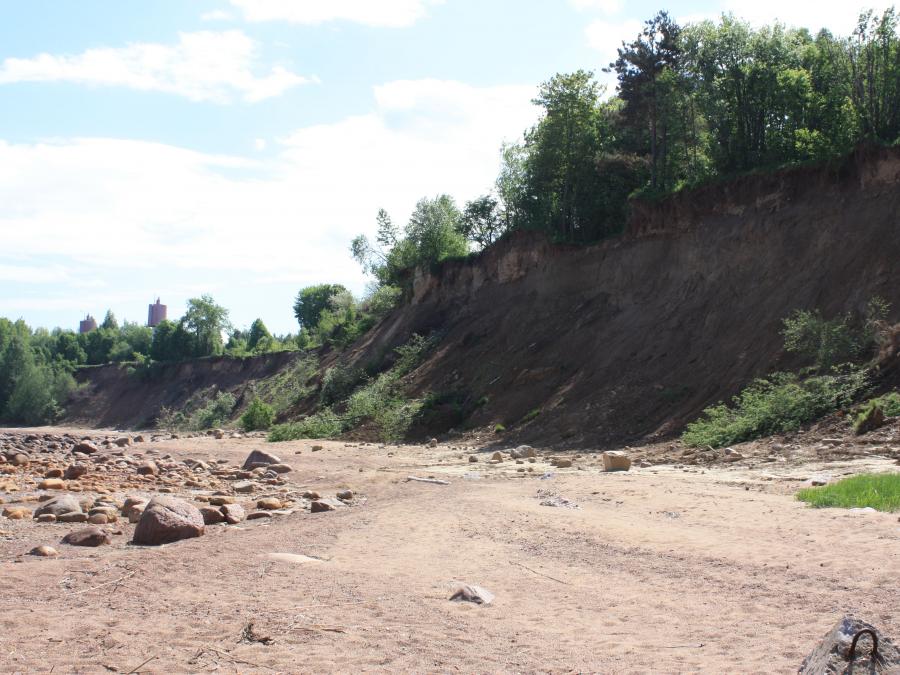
x=312, y=301
x=215, y=413
x=829, y=342
x=323, y=424
x=338, y=382
x=499, y=428
x=260, y=338
x=289, y=386
x=205, y=321
x=258, y=415
x=877, y=491
x=776, y=404
x=890, y=403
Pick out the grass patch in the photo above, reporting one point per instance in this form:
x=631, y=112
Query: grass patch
x=879, y=491
x=324, y=424
x=777, y=404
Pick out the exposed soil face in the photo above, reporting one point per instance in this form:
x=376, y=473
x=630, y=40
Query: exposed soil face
x=625, y=341
x=712, y=568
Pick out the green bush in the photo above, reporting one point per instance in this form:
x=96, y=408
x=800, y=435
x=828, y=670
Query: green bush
x=258, y=415
x=324, y=424
x=499, y=428
x=878, y=491
x=215, y=413
x=338, y=383
x=890, y=403
x=777, y=404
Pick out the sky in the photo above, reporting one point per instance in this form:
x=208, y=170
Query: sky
x=172, y=148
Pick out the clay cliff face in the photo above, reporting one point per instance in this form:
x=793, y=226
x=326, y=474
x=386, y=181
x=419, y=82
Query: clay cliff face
x=625, y=340
x=633, y=337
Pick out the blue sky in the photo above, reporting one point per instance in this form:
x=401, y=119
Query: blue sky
x=234, y=147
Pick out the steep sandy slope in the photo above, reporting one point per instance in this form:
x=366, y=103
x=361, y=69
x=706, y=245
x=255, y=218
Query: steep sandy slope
x=633, y=337
x=608, y=343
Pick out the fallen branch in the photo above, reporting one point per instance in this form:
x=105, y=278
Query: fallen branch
x=541, y=574
x=108, y=583
x=138, y=668
x=227, y=656
x=427, y=480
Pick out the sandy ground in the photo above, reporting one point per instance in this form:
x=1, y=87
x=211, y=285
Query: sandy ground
x=661, y=569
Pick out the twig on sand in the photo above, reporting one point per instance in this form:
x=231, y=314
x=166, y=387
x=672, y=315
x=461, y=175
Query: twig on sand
x=559, y=581
x=319, y=627
x=698, y=645
x=108, y=583
x=227, y=656
x=138, y=668
x=427, y=480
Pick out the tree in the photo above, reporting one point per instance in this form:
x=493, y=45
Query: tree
x=312, y=301
x=874, y=54
x=205, y=321
x=259, y=337
x=109, y=321
x=482, y=221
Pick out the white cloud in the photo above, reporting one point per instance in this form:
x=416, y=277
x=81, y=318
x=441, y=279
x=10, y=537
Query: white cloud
x=839, y=17
x=607, y=36
x=390, y=13
x=202, y=66
x=217, y=15
x=116, y=209
x=605, y=6
x=260, y=144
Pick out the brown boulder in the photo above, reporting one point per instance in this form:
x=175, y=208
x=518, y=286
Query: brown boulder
x=75, y=471
x=234, y=513
x=58, y=506
x=211, y=515
x=88, y=536
x=260, y=458
x=167, y=519
x=85, y=447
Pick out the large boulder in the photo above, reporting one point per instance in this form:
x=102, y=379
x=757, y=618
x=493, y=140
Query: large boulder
x=85, y=447
x=167, y=519
x=58, y=506
x=616, y=460
x=832, y=655
x=260, y=458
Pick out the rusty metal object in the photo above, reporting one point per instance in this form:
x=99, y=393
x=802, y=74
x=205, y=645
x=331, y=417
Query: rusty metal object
x=852, y=653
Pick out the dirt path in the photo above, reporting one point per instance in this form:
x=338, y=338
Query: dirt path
x=656, y=569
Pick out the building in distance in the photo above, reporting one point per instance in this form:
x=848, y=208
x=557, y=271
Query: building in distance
x=87, y=324
x=156, y=314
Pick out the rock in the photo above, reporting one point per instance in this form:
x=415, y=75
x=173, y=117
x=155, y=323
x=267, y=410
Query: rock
x=316, y=448
x=524, y=451
x=138, y=439
x=497, y=457
x=85, y=447
x=123, y=441
x=72, y=517
x=320, y=507
x=219, y=500
x=17, y=512
x=98, y=519
x=75, y=471
x=19, y=459
x=269, y=503
x=432, y=443
x=59, y=505
x=165, y=520
x=345, y=495
x=234, y=513
x=148, y=468
x=52, y=484
x=108, y=511
x=561, y=462
x=261, y=458
x=218, y=434
x=460, y=592
x=44, y=551
x=616, y=460
x=832, y=655
x=244, y=487
x=211, y=515
x=88, y=536
x=314, y=496
x=256, y=515
x=46, y=518
x=53, y=473
x=473, y=458
x=279, y=468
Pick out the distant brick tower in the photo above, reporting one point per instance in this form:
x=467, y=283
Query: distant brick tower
x=87, y=324
x=156, y=314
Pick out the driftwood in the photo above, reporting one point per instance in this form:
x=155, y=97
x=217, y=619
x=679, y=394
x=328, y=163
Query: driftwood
x=427, y=480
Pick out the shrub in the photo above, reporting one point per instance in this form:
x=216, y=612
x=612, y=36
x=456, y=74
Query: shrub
x=258, y=415
x=338, y=383
x=324, y=424
x=779, y=403
x=878, y=491
x=872, y=414
x=499, y=428
x=215, y=413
